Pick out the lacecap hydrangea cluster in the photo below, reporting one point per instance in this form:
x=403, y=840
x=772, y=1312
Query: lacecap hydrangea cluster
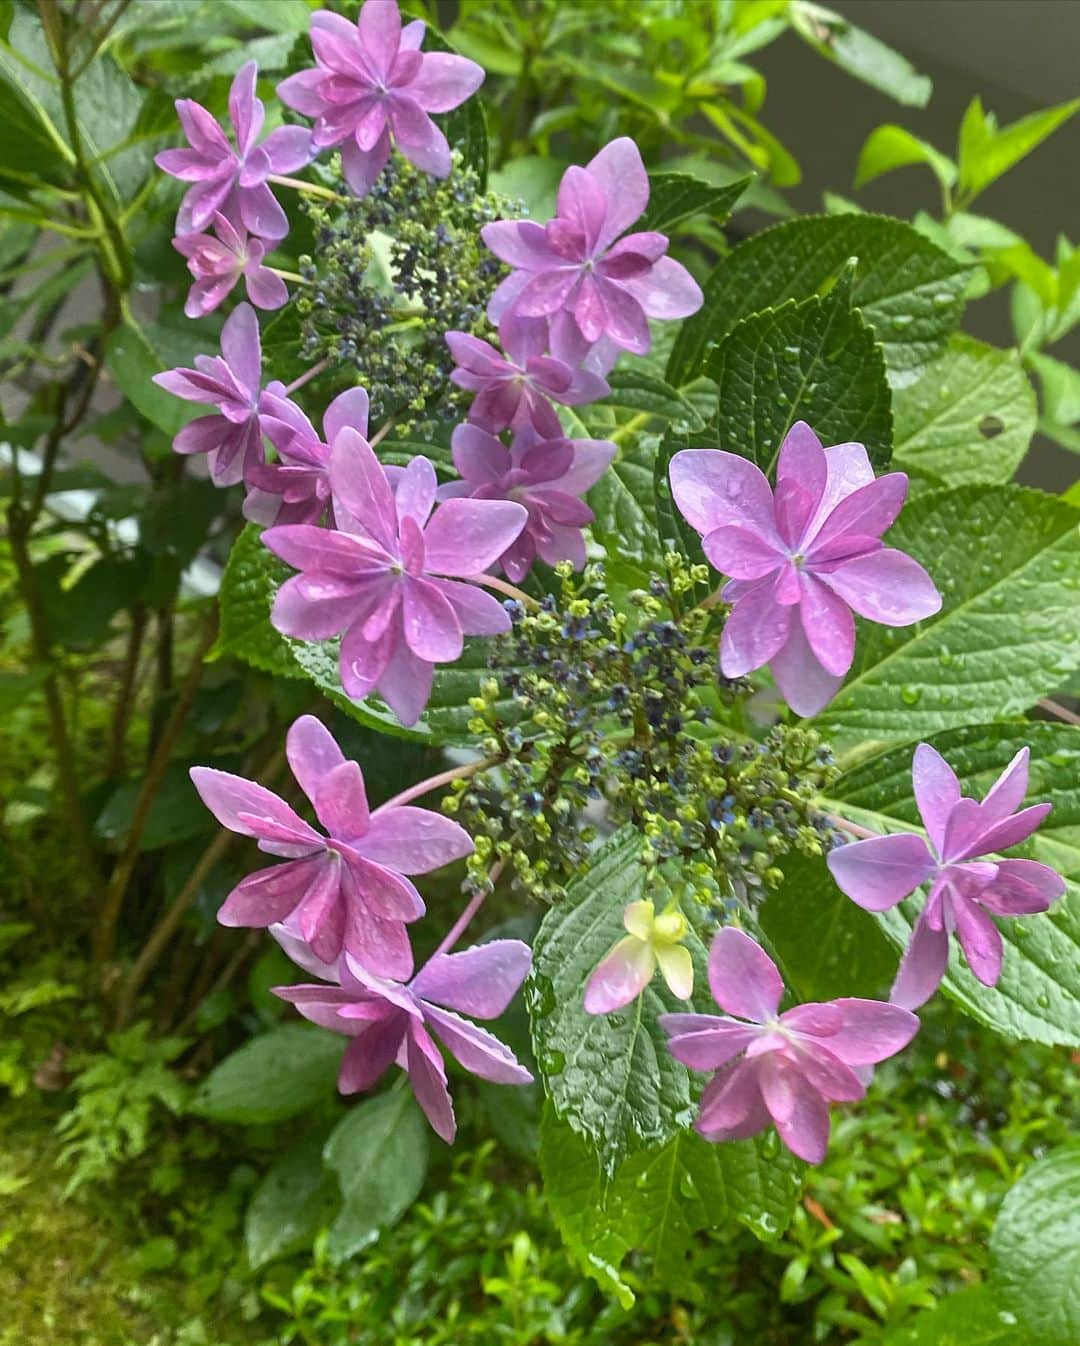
x=600, y=707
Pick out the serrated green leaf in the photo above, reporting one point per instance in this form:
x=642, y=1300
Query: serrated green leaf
x=134, y=354
x=276, y=1075
x=295, y=1200
x=659, y=1200
x=970, y=418
x=379, y=1152
x=609, y=1076
x=1007, y=563
x=623, y=501
x=638, y=390
x=987, y=152
x=890, y=147
x=1038, y=996
x=1060, y=389
x=252, y=576
x=908, y=289
x=817, y=362
x=1035, y=1249
x=970, y=1317
x=675, y=197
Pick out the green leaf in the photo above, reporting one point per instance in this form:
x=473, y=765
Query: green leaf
x=860, y=53
x=675, y=197
x=987, y=152
x=466, y=127
x=175, y=814
x=970, y=1317
x=889, y=147
x=379, y=1152
x=276, y=1075
x=609, y=1076
x=659, y=1200
x=251, y=579
x=1060, y=389
x=1007, y=563
x=816, y=361
x=826, y=945
x=134, y=354
x=1039, y=991
x=639, y=391
x=295, y=1200
x=970, y=418
x=908, y=289
x=1035, y=1248
x=624, y=503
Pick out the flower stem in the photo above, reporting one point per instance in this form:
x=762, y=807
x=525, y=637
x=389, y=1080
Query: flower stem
x=846, y=825
x=434, y=782
x=381, y=433
x=1058, y=711
x=305, y=378
x=287, y=275
x=714, y=599
x=311, y=188
x=505, y=587
x=475, y=903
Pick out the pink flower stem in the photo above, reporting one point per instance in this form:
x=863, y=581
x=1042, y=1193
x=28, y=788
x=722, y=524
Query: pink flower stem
x=1058, y=711
x=381, y=433
x=511, y=591
x=475, y=903
x=311, y=188
x=846, y=825
x=306, y=378
x=434, y=782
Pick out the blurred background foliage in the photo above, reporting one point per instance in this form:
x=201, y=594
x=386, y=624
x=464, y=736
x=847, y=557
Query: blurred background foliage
x=144, y=1195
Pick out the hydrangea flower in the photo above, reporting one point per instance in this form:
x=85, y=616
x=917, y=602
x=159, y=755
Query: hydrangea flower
x=372, y=85
x=577, y=263
x=785, y=1068
x=390, y=1022
x=390, y=577
x=218, y=263
x=296, y=489
x=347, y=890
x=966, y=890
x=801, y=560
x=516, y=389
x=232, y=179
x=547, y=476
x=652, y=941
x=232, y=437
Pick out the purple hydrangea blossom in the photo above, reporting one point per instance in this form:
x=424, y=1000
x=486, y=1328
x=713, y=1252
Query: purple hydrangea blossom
x=785, y=1068
x=801, y=560
x=373, y=86
x=651, y=941
x=547, y=476
x=390, y=577
x=296, y=489
x=516, y=389
x=390, y=1022
x=218, y=263
x=966, y=889
x=578, y=265
x=232, y=179
x=347, y=890
x=232, y=437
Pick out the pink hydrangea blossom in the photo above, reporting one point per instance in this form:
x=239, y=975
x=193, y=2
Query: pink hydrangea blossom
x=801, y=560
x=966, y=889
x=296, y=489
x=785, y=1068
x=516, y=389
x=578, y=265
x=232, y=437
x=372, y=85
x=390, y=577
x=218, y=263
x=346, y=890
x=547, y=476
x=651, y=941
x=389, y=1022
x=232, y=179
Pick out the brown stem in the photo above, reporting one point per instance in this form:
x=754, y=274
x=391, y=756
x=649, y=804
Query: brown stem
x=240, y=956
x=105, y=933
x=174, y=914
x=1059, y=711
x=163, y=682
x=125, y=699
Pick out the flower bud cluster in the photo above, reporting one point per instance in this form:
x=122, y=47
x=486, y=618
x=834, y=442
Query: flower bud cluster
x=621, y=718
x=393, y=271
